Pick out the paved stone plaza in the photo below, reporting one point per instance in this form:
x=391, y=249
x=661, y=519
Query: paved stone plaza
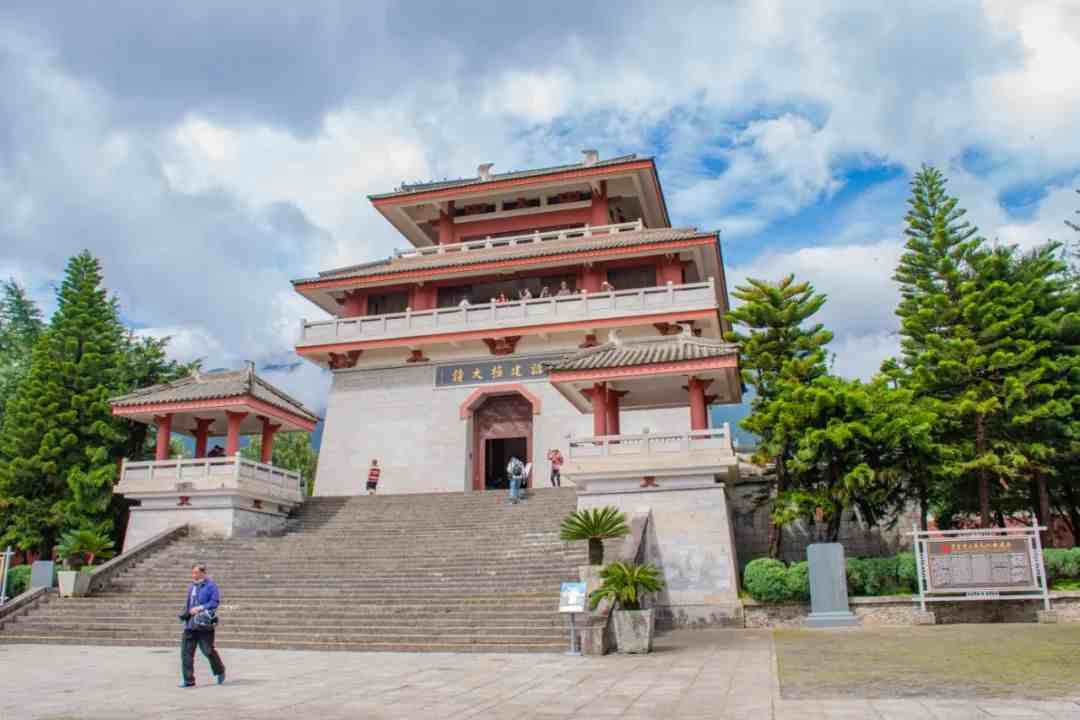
x=723, y=674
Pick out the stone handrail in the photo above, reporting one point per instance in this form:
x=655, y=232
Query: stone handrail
x=21, y=603
x=103, y=574
x=535, y=311
x=650, y=444
x=220, y=473
x=524, y=239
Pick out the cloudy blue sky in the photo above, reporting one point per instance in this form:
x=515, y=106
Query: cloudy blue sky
x=210, y=152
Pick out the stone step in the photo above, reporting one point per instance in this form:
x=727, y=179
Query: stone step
x=504, y=646
x=231, y=629
x=425, y=614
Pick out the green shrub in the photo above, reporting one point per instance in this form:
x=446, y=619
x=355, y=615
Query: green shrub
x=797, y=580
x=625, y=584
x=907, y=572
x=766, y=580
x=18, y=580
x=881, y=576
x=856, y=576
x=1062, y=564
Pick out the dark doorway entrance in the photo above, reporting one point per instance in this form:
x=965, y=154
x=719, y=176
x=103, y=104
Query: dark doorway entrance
x=502, y=426
x=497, y=454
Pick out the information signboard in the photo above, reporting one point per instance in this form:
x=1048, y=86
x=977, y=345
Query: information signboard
x=572, y=597
x=984, y=564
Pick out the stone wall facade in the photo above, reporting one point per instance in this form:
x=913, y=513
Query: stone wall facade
x=859, y=538
x=903, y=610
x=415, y=429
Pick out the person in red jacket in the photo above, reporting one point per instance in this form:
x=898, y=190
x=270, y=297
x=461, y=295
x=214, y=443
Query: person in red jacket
x=556, y=459
x=373, y=477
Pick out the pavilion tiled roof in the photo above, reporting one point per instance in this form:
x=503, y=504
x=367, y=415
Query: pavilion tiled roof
x=215, y=385
x=458, y=258
x=630, y=353
x=408, y=189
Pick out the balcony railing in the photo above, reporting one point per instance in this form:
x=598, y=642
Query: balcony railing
x=537, y=311
x=654, y=445
x=527, y=239
x=256, y=479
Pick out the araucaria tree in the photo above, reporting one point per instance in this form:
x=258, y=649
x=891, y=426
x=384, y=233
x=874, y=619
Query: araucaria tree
x=20, y=327
x=59, y=443
x=779, y=348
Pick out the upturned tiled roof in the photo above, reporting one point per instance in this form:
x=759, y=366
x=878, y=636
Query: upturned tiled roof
x=410, y=188
x=630, y=353
x=219, y=384
x=625, y=239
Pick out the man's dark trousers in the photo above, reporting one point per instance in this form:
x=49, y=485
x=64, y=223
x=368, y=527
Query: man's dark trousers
x=205, y=640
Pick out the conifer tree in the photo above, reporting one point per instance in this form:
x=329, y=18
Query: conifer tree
x=779, y=350
x=20, y=327
x=59, y=444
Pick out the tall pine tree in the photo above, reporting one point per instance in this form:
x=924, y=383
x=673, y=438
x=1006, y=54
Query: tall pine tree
x=20, y=327
x=60, y=443
x=780, y=348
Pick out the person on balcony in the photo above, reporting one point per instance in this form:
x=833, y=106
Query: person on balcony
x=515, y=469
x=373, y=477
x=525, y=294
x=199, y=618
x=545, y=292
x=564, y=290
x=606, y=287
x=464, y=303
x=216, y=452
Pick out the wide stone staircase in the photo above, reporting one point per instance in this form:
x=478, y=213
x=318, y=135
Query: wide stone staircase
x=437, y=572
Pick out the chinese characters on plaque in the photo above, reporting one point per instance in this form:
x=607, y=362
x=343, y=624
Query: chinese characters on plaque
x=498, y=371
x=979, y=564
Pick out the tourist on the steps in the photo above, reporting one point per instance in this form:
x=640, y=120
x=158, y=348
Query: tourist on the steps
x=199, y=618
x=515, y=469
x=556, y=459
x=373, y=477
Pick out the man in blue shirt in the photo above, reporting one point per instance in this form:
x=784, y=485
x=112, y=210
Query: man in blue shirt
x=199, y=617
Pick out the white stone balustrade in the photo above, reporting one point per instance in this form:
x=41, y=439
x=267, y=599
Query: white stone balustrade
x=537, y=311
x=230, y=474
x=712, y=440
x=524, y=239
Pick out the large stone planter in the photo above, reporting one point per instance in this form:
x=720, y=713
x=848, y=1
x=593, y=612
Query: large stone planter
x=634, y=630
x=73, y=583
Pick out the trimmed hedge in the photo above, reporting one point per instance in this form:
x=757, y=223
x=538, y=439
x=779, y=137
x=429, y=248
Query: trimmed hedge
x=771, y=581
x=766, y=580
x=18, y=580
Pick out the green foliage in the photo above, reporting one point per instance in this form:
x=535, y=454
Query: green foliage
x=907, y=572
x=18, y=580
x=625, y=584
x=292, y=451
x=20, y=327
x=1062, y=564
x=59, y=443
x=766, y=580
x=780, y=349
x=82, y=546
x=797, y=580
x=594, y=525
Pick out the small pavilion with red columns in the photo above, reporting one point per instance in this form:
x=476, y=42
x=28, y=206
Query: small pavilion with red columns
x=660, y=372
x=216, y=492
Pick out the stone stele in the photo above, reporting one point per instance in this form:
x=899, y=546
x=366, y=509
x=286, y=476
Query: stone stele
x=828, y=587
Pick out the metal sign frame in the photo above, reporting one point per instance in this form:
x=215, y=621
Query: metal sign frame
x=573, y=597
x=927, y=593
x=5, y=565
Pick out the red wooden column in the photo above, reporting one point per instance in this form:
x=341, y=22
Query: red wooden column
x=232, y=439
x=446, y=225
x=354, y=304
x=164, y=432
x=613, y=410
x=202, y=433
x=591, y=277
x=598, y=211
x=598, y=395
x=699, y=414
x=669, y=270
x=268, y=432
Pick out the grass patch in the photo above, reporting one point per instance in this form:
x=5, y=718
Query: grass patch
x=987, y=661
x=1066, y=585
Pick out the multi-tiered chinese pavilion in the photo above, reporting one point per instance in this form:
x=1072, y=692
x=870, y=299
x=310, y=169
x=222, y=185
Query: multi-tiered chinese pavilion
x=533, y=310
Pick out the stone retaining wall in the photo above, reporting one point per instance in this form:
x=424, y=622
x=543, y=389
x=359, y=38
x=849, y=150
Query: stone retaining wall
x=904, y=610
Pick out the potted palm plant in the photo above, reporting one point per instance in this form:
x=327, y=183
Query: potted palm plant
x=624, y=585
x=78, y=549
x=594, y=525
